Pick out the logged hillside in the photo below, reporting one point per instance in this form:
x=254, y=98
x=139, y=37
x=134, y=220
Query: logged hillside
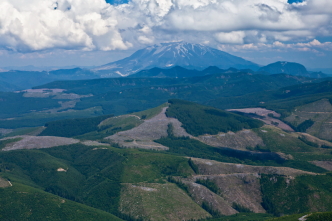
x=199, y=120
x=210, y=163
x=140, y=185
x=199, y=131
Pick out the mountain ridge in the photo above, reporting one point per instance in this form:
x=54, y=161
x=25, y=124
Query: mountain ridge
x=165, y=55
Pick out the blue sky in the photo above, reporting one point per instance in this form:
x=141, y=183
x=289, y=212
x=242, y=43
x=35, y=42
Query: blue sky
x=67, y=32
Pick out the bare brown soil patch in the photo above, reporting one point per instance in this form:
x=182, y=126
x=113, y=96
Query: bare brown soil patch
x=237, y=184
x=211, y=167
x=34, y=142
x=200, y=194
x=151, y=129
x=4, y=183
x=264, y=114
x=94, y=143
x=239, y=140
x=327, y=165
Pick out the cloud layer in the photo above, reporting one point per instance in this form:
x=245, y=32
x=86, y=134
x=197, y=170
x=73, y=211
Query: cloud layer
x=35, y=25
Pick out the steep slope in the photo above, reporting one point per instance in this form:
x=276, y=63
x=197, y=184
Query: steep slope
x=4, y=86
x=199, y=120
x=228, y=188
x=141, y=184
x=143, y=136
x=193, y=56
x=314, y=118
x=22, y=202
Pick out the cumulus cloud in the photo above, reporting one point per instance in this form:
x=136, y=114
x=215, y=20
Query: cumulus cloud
x=34, y=25
x=314, y=46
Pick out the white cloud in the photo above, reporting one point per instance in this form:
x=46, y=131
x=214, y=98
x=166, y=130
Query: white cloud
x=95, y=25
x=234, y=37
x=314, y=46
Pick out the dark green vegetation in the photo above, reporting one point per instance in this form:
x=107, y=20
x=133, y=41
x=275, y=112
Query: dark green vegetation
x=154, y=167
x=283, y=100
x=244, y=217
x=284, y=195
x=240, y=208
x=97, y=176
x=144, y=93
x=188, y=147
x=209, y=184
x=126, y=95
x=97, y=128
x=305, y=125
x=14, y=104
x=266, y=156
x=3, y=143
x=73, y=127
x=320, y=216
x=90, y=176
x=22, y=202
x=20, y=80
x=198, y=119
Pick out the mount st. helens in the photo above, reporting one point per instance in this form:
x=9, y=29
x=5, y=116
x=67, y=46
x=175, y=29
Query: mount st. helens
x=165, y=55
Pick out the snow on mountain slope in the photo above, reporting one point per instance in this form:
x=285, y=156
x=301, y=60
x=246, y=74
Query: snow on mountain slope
x=165, y=55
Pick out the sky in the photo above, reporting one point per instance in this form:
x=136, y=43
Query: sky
x=96, y=32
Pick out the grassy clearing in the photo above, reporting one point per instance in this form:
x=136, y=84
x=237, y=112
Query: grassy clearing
x=151, y=201
x=277, y=140
x=153, y=167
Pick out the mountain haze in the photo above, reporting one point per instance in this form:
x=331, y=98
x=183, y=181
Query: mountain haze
x=165, y=55
x=292, y=68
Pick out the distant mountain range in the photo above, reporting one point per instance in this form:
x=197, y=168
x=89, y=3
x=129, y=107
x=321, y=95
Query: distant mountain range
x=166, y=60
x=19, y=80
x=166, y=55
x=180, y=72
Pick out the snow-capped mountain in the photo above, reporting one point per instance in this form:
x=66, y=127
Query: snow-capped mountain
x=166, y=55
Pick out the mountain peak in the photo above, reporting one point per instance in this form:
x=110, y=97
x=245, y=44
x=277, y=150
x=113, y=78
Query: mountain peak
x=166, y=55
x=285, y=67
x=292, y=68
